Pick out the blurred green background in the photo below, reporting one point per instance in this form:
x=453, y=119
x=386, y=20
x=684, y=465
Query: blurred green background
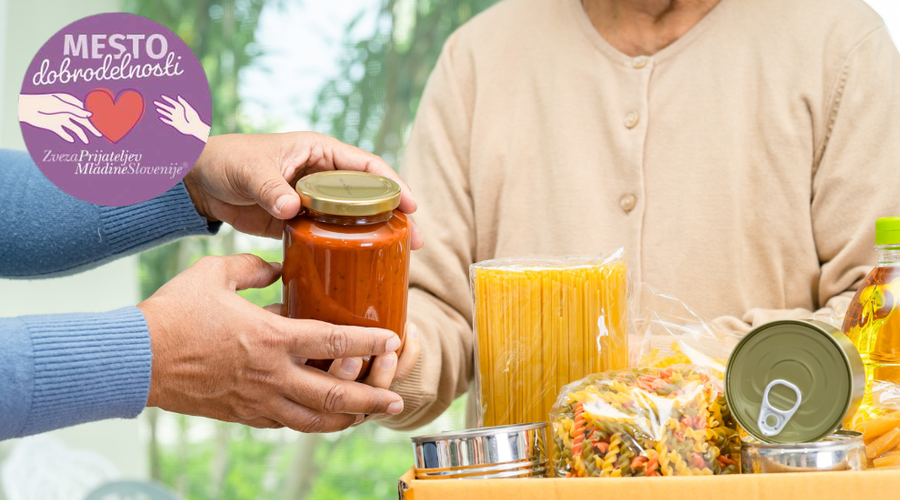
x=379, y=55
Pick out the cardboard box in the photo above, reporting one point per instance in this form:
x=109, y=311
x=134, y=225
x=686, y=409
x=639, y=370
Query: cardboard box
x=869, y=485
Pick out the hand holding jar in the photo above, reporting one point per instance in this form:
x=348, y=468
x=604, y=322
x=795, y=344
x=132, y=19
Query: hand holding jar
x=217, y=355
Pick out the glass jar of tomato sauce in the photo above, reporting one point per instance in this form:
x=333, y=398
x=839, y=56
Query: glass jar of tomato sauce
x=346, y=256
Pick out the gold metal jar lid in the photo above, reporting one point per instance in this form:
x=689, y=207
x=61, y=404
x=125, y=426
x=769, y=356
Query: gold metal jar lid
x=339, y=192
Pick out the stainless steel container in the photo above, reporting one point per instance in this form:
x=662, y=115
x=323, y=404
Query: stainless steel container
x=488, y=453
x=843, y=450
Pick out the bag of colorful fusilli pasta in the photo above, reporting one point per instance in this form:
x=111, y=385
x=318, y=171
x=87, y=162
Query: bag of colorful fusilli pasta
x=667, y=421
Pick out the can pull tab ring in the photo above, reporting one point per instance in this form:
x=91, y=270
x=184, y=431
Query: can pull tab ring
x=781, y=417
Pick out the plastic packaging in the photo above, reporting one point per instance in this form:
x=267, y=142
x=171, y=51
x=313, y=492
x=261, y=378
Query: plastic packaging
x=873, y=320
x=646, y=416
x=873, y=324
x=879, y=423
x=541, y=323
x=668, y=332
x=645, y=422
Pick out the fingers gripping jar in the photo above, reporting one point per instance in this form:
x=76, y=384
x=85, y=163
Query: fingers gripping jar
x=346, y=256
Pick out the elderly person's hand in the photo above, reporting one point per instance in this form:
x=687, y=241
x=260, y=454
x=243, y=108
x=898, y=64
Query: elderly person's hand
x=388, y=368
x=245, y=179
x=217, y=355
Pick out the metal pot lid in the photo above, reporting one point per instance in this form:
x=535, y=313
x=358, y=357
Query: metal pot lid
x=793, y=381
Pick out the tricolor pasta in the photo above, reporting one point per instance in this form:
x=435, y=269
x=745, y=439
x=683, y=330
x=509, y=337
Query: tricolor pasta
x=541, y=324
x=644, y=422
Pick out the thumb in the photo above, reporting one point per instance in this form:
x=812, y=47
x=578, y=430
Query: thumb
x=272, y=192
x=241, y=271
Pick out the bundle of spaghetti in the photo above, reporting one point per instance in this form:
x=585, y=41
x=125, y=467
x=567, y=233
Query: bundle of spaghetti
x=645, y=422
x=540, y=324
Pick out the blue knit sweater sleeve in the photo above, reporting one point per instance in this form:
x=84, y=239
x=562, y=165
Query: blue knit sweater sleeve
x=44, y=232
x=64, y=369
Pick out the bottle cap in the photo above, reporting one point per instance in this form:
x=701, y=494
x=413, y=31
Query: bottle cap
x=887, y=231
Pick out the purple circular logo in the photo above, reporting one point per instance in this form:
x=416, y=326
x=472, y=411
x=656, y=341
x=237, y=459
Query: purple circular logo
x=115, y=109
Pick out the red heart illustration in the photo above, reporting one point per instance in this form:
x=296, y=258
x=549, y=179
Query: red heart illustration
x=114, y=116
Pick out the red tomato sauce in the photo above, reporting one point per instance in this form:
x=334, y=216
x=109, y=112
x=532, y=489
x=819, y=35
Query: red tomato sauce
x=347, y=271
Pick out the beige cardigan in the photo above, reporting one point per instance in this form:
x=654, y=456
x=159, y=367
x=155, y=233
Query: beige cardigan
x=742, y=168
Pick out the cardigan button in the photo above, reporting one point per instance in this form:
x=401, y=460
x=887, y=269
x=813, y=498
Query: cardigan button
x=632, y=119
x=639, y=62
x=628, y=202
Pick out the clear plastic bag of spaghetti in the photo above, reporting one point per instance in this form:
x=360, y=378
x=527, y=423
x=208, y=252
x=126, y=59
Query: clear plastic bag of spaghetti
x=645, y=422
x=667, y=417
x=541, y=323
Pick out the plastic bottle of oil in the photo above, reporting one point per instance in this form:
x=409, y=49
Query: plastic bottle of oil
x=873, y=319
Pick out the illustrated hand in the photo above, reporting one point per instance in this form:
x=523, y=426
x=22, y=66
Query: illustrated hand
x=245, y=179
x=217, y=355
x=62, y=114
x=182, y=117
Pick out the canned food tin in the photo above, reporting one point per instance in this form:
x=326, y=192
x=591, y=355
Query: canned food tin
x=794, y=381
x=490, y=452
x=843, y=450
x=521, y=468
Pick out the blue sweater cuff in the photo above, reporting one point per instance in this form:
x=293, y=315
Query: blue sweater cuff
x=87, y=367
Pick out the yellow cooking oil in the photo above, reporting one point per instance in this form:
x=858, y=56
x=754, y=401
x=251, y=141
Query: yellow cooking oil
x=873, y=318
